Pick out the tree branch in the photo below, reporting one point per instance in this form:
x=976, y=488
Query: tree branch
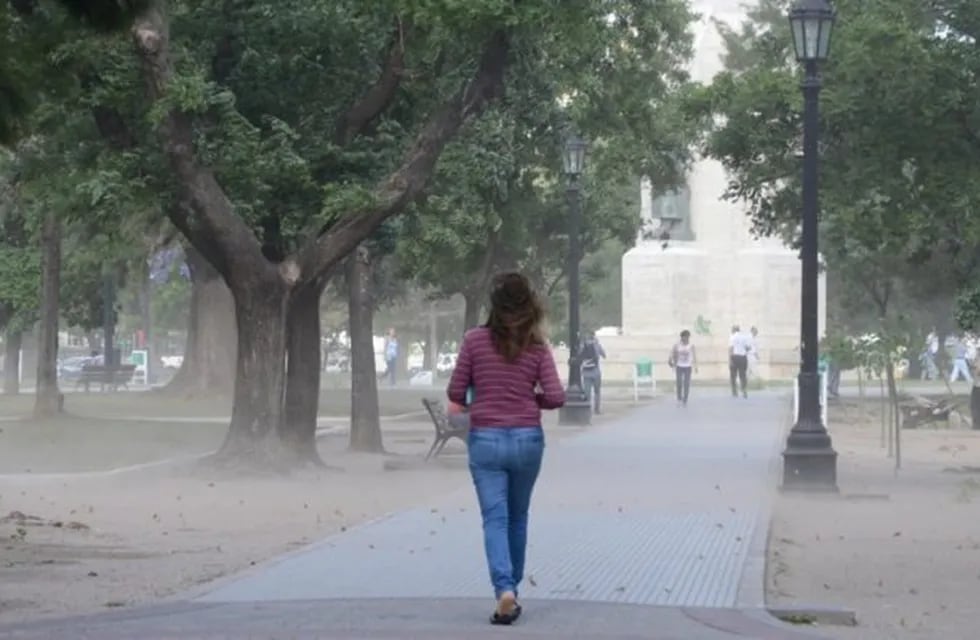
x=554, y=283
x=381, y=94
x=409, y=180
x=970, y=132
x=206, y=216
x=485, y=268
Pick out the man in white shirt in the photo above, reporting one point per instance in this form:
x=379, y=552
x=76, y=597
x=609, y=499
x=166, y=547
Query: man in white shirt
x=739, y=347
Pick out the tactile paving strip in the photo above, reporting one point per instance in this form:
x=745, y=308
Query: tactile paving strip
x=692, y=559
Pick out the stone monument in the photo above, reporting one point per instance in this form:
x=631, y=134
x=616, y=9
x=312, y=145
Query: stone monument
x=712, y=273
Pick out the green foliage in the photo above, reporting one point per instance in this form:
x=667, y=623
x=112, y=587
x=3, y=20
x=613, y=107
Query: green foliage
x=499, y=200
x=900, y=147
x=170, y=303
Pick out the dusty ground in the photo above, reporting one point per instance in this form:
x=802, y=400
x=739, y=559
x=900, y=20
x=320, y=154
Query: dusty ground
x=82, y=530
x=155, y=403
x=902, y=550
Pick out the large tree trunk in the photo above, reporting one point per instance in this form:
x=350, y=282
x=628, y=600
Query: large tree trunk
x=471, y=314
x=365, y=419
x=260, y=380
x=894, y=412
x=47, y=401
x=431, y=353
x=303, y=367
x=11, y=362
x=146, y=322
x=209, y=355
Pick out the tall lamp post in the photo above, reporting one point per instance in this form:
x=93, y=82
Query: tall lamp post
x=578, y=408
x=809, y=460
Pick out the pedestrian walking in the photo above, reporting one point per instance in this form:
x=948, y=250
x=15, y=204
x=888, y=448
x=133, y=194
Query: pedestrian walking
x=391, y=356
x=960, y=364
x=683, y=360
x=590, y=354
x=739, y=347
x=512, y=373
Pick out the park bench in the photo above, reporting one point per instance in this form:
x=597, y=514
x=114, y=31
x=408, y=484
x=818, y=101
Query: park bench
x=918, y=411
x=111, y=377
x=445, y=431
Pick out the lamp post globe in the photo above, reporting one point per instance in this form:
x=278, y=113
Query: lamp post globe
x=809, y=459
x=573, y=156
x=578, y=406
x=812, y=22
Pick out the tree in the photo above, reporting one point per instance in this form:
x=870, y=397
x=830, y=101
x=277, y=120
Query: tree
x=264, y=272
x=894, y=204
x=365, y=420
x=275, y=183
x=266, y=287
x=499, y=199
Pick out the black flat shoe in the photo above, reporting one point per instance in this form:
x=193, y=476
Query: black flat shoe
x=508, y=600
x=507, y=620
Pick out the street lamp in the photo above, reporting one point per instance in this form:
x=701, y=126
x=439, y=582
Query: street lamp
x=578, y=408
x=809, y=460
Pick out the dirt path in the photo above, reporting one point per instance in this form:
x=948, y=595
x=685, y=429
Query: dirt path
x=902, y=551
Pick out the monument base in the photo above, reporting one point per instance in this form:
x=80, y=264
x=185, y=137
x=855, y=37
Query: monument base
x=706, y=290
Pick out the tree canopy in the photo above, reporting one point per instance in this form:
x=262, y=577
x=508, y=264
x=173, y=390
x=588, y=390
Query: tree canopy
x=899, y=154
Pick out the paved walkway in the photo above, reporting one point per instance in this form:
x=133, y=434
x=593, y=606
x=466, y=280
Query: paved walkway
x=652, y=526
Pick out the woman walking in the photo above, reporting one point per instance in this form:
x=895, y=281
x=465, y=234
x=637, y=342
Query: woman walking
x=512, y=373
x=683, y=360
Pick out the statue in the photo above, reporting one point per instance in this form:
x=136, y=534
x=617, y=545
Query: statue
x=669, y=216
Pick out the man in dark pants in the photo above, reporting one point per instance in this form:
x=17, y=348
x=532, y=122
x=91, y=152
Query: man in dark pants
x=591, y=352
x=739, y=346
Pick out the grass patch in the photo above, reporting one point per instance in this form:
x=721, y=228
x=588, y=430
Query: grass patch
x=70, y=444
x=161, y=403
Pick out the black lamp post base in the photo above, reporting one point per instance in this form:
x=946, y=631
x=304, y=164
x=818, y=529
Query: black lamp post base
x=809, y=463
x=577, y=411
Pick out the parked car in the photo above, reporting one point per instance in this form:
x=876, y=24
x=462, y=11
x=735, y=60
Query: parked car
x=172, y=362
x=336, y=364
x=446, y=364
x=71, y=368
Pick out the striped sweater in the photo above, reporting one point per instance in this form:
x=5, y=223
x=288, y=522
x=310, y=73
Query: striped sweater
x=507, y=394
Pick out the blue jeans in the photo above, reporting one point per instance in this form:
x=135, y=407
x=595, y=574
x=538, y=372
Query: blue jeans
x=504, y=463
x=592, y=384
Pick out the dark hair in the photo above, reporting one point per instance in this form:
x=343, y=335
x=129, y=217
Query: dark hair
x=515, y=315
x=685, y=333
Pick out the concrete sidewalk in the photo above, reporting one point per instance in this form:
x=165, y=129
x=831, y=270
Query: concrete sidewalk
x=652, y=526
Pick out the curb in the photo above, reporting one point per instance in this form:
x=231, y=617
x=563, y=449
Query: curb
x=815, y=614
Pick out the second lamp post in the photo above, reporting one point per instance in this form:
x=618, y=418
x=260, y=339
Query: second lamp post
x=809, y=460
x=578, y=406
